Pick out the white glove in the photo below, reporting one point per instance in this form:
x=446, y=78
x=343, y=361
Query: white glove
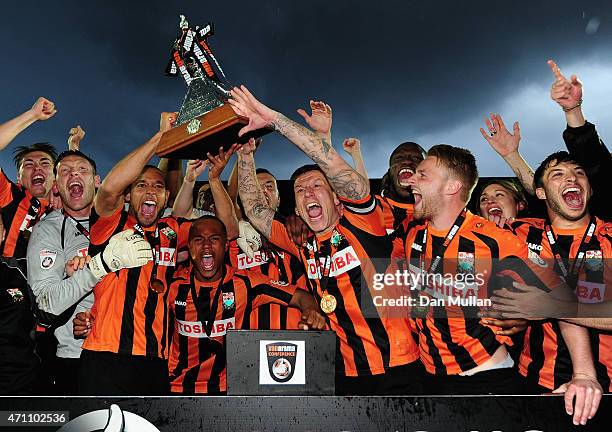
x=249, y=240
x=124, y=250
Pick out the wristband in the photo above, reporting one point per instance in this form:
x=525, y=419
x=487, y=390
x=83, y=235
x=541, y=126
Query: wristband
x=574, y=107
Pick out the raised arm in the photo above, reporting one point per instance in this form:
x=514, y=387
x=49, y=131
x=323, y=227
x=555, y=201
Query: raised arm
x=173, y=172
x=506, y=145
x=75, y=136
x=253, y=199
x=568, y=94
x=320, y=119
x=343, y=178
x=224, y=207
x=582, y=140
x=353, y=147
x=183, y=203
x=42, y=109
x=110, y=195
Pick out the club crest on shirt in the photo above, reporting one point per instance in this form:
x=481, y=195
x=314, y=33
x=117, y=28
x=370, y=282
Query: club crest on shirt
x=594, y=260
x=465, y=262
x=169, y=233
x=47, y=259
x=228, y=301
x=16, y=294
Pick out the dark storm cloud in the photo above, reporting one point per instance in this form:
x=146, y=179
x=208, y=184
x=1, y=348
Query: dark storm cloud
x=392, y=70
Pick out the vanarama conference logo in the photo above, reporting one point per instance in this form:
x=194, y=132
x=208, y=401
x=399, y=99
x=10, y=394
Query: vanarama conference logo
x=281, y=360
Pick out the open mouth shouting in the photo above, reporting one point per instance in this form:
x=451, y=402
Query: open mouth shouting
x=148, y=209
x=573, y=196
x=314, y=211
x=208, y=262
x=38, y=180
x=418, y=199
x=75, y=188
x=403, y=176
x=495, y=211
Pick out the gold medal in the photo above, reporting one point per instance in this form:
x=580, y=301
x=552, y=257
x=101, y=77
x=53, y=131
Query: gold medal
x=328, y=303
x=157, y=286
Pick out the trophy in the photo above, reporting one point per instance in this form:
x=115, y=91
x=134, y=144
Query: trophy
x=205, y=121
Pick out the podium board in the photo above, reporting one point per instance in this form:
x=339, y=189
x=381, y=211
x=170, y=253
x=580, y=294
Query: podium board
x=280, y=362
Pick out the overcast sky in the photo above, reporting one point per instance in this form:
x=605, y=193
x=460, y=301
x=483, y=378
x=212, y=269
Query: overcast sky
x=393, y=71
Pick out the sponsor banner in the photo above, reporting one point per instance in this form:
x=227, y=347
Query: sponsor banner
x=166, y=256
x=260, y=258
x=195, y=329
x=341, y=262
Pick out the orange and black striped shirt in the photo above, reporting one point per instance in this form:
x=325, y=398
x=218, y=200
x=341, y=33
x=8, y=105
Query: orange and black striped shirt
x=197, y=362
x=545, y=358
x=277, y=265
x=20, y=212
x=131, y=318
x=394, y=212
x=370, y=340
x=452, y=339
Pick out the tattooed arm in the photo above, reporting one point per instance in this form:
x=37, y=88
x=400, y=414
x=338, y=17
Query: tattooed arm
x=343, y=178
x=253, y=199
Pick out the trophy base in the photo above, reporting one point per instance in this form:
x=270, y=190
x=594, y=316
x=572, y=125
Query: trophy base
x=205, y=134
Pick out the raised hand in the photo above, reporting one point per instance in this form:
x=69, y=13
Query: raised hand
x=351, y=146
x=217, y=163
x=320, y=121
x=75, y=136
x=567, y=93
x=502, y=141
x=167, y=121
x=249, y=147
x=43, y=109
x=245, y=104
x=195, y=167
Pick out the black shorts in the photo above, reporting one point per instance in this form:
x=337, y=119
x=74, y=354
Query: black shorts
x=398, y=380
x=110, y=374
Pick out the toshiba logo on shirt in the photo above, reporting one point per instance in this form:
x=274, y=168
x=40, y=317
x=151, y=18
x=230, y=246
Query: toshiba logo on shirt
x=590, y=292
x=342, y=261
x=196, y=329
x=260, y=258
x=166, y=256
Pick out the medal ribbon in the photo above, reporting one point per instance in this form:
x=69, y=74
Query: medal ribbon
x=450, y=235
x=78, y=225
x=323, y=277
x=571, y=276
x=208, y=320
x=156, y=248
